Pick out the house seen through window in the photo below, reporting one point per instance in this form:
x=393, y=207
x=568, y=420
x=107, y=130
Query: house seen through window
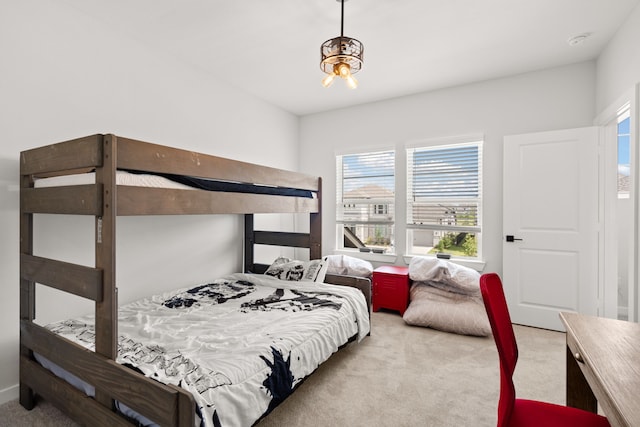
x=365, y=201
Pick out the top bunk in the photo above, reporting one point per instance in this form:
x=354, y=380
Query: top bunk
x=84, y=176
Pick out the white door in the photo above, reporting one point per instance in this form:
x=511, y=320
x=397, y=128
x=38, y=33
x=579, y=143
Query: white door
x=550, y=225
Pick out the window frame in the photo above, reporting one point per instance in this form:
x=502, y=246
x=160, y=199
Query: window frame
x=400, y=244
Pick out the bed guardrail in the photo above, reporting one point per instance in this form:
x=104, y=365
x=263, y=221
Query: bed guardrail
x=164, y=404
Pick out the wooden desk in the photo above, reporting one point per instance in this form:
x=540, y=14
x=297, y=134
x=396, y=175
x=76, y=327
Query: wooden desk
x=603, y=366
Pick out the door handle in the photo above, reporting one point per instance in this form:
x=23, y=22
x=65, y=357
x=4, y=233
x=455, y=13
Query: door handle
x=510, y=238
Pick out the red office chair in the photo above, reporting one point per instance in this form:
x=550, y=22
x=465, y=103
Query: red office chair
x=522, y=412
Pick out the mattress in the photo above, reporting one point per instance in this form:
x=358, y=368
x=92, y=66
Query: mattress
x=122, y=178
x=160, y=180
x=240, y=344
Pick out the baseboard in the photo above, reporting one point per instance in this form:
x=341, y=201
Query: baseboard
x=9, y=394
x=623, y=313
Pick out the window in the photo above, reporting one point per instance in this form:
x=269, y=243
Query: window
x=443, y=205
x=624, y=166
x=365, y=201
x=381, y=209
x=444, y=199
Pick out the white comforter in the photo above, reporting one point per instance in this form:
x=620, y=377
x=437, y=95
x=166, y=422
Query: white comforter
x=240, y=345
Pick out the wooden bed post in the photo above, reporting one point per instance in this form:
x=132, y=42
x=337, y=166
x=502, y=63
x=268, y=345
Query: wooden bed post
x=107, y=309
x=315, y=227
x=27, y=292
x=248, y=243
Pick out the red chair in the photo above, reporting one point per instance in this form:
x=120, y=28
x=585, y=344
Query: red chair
x=522, y=412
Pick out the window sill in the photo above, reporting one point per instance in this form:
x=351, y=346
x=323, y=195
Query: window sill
x=475, y=264
x=390, y=258
x=387, y=258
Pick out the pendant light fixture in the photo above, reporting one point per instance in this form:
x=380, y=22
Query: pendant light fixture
x=341, y=56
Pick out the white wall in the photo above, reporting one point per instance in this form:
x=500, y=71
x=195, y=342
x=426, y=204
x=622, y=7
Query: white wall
x=618, y=66
x=63, y=75
x=545, y=100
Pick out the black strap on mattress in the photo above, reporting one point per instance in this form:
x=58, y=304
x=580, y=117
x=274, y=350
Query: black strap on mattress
x=227, y=186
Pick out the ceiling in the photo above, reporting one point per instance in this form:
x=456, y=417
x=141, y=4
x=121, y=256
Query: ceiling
x=271, y=48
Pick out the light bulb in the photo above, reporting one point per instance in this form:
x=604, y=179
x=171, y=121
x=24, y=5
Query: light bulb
x=328, y=79
x=351, y=81
x=344, y=70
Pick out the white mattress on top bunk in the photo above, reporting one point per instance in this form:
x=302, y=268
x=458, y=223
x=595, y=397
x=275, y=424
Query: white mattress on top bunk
x=122, y=178
x=151, y=180
x=240, y=344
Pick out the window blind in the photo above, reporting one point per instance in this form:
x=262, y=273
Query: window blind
x=444, y=188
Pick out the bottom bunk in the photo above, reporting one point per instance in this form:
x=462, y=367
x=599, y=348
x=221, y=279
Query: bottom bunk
x=238, y=345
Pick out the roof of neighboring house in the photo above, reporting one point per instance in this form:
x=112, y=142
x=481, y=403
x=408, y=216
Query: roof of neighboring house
x=370, y=191
x=624, y=183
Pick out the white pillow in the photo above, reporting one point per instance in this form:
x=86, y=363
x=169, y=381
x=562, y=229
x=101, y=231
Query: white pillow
x=287, y=269
x=348, y=265
x=445, y=275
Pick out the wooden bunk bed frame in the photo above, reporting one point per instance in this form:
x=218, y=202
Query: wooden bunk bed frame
x=164, y=404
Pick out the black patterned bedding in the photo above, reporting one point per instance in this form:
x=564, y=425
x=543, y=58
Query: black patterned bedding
x=240, y=344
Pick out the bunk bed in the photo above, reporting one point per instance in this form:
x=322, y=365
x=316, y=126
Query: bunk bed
x=232, y=187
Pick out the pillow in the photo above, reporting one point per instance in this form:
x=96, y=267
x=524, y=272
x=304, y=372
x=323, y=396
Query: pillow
x=348, y=265
x=446, y=311
x=445, y=275
x=287, y=269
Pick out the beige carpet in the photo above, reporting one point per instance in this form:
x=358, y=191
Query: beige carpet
x=399, y=376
